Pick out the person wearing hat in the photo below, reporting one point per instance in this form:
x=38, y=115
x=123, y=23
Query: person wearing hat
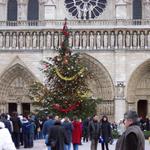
x=6, y=142
x=133, y=137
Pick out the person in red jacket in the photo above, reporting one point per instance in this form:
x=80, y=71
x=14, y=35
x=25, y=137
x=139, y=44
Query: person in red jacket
x=76, y=133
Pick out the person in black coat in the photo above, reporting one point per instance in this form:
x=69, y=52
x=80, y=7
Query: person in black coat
x=68, y=128
x=57, y=137
x=94, y=132
x=106, y=132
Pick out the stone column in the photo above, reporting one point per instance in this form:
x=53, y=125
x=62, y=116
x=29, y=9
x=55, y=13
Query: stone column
x=22, y=9
x=121, y=9
x=3, y=10
x=41, y=10
x=19, y=109
x=120, y=103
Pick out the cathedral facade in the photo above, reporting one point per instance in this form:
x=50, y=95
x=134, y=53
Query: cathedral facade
x=112, y=37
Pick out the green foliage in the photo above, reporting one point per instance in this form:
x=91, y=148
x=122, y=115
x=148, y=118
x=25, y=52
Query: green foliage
x=65, y=90
x=147, y=134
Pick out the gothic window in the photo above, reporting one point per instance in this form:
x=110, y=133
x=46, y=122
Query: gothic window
x=33, y=10
x=137, y=9
x=12, y=10
x=85, y=9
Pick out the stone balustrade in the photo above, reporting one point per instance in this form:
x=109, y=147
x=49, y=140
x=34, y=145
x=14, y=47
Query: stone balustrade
x=80, y=39
x=94, y=23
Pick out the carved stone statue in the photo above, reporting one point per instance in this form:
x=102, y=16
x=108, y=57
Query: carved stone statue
x=70, y=39
x=142, y=39
x=28, y=40
x=48, y=40
x=41, y=40
x=84, y=40
x=14, y=40
x=7, y=42
x=56, y=40
x=77, y=40
x=98, y=40
x=105, y=40
x=21, y=40
x=34, y=40
x=112, y=40
x=148, y=40
x=120, y=40
x=91, y=40
x=128, y=39
x=1, y=40
x=134, y=39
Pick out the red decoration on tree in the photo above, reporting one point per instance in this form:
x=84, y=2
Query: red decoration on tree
x=66, y=110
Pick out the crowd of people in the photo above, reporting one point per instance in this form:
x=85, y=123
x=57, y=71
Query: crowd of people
x=61, y=133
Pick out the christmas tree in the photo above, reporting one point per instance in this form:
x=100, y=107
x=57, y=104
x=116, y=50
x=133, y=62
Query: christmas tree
x=65, y=91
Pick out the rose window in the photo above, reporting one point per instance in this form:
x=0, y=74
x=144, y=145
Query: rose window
x=85, y=9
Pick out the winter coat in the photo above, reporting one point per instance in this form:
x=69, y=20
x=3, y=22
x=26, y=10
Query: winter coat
x=106, y=132
x=16, y=124
x=123, y=140
x=94, y=130
x=68, y=127
x=76, y=133
x=47, y=124
x=57, y=133
x=6, y=142
x=7, y=124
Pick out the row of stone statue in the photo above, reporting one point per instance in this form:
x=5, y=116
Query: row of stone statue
x=77, y=40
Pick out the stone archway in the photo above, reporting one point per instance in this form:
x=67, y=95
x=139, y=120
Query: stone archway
x=138, y=88
x=14, y=85
x=101, y=85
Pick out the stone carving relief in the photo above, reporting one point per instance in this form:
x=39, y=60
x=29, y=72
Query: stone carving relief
x=21, y=40
x=77, y=40
x=14, y=40
x=120, y=89
x=91, y=40
x=112, y=39
x=98, y=40
x=48, y=40
x=41, y=40
x=56, y=40
x=18, y=88
x=70, y=39
x=120, y=40
x=84, y=40
x=28, y=40
x=7, y=40
x=1, y=40
x=105, y=39
x=34, y=40
x=134, y=39
x=148, y=37
x=142, y=39
x=128, y=39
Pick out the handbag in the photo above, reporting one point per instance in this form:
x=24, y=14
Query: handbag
x=101, y=140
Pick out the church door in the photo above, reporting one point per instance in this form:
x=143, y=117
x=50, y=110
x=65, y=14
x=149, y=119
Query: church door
x=142, y=108
x=26, y=108
x=12, y=107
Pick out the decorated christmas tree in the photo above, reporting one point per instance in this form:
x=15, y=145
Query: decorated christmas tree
x=65, y=90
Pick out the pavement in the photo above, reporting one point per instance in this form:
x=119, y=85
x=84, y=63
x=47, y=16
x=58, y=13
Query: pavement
x=40, y=145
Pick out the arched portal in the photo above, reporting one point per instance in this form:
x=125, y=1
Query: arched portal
x=14, y=85
x=101, y=85
x=138, y=89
